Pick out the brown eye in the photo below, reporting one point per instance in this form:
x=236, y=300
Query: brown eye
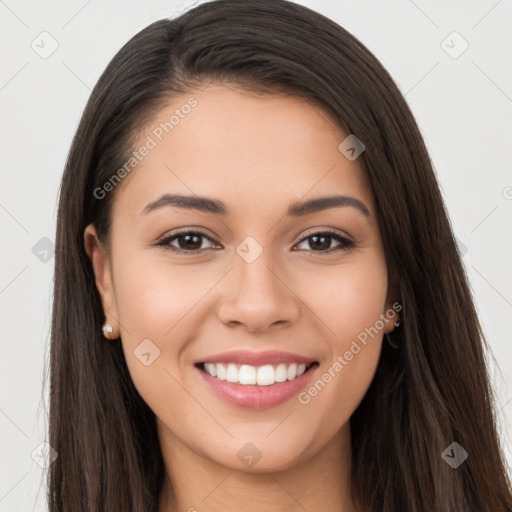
x=187, y=242
x=321, y=242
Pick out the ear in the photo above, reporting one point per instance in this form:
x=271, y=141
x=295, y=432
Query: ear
x=102, y=268
x=392, y=302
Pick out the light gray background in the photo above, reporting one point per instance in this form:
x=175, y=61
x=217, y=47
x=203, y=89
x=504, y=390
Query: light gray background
x=463, y=106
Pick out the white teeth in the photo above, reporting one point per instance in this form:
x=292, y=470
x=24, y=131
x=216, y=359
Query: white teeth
x=250, y=375
x=232, y=373
x=221, y=371
x=291, y=372
x=211, y=369
x=266, y=375
x=280, y=375
x=247, y=375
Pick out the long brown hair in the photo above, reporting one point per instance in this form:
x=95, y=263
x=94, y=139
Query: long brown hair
x=433, y=391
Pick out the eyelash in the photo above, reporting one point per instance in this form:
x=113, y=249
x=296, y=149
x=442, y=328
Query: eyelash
x=346, y=244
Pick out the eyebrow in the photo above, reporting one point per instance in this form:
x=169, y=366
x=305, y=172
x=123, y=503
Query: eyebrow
x=299, y=209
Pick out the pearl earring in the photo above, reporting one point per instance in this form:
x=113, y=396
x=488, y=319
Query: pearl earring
x=108, y=331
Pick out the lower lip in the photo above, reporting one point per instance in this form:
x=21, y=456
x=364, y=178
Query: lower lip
x=256, y=397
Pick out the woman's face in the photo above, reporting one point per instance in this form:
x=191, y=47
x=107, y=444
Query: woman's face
x=262, y=288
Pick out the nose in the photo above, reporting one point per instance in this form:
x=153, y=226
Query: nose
x=258, y=295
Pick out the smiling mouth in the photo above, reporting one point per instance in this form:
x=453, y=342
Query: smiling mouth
x=248, y=375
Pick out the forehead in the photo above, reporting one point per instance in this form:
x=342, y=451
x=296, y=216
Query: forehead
x=253, y=150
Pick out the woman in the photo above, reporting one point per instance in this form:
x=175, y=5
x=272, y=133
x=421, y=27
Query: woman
x=259, y=303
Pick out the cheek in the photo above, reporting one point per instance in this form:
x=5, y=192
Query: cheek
x=154, y=295
x=346, y=299
x=154, y=302
x=348, y=305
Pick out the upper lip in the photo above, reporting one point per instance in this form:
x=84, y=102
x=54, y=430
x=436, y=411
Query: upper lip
x=257, y=358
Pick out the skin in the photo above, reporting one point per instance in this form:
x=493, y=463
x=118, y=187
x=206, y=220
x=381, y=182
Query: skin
x=275, y=151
